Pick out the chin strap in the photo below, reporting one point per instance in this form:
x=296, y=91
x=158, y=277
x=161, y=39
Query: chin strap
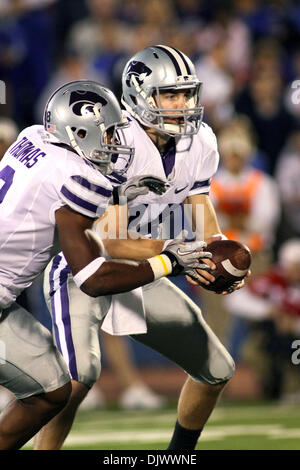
x=98, y=116
x=137, y=87
x=73, y=142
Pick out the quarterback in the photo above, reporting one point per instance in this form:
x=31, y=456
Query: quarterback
x=51, y=191
x=161, y=94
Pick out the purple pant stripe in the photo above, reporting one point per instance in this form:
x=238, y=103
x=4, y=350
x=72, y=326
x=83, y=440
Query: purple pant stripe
x=55, y=264
x=64, y=297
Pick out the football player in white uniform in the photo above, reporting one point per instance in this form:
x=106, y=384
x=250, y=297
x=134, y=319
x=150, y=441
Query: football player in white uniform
x=51, y=185
x=162, y=96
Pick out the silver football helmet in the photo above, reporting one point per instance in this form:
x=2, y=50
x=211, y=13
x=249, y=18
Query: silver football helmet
x=87, y=116
x=152, y=71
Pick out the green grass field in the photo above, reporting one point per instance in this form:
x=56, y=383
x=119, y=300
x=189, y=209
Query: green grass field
x=233, y=426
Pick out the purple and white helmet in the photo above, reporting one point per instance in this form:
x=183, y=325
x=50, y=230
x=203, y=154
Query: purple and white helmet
x=87, y=116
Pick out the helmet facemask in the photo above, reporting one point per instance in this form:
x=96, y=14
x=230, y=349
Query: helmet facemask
x=154, y=115
x=188, y=118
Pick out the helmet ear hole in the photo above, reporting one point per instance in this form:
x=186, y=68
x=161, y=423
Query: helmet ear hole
x=73, y=129
x=81, y=133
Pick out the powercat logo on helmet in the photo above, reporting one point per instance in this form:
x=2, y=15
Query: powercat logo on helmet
x=139, y=70
x=83, y=102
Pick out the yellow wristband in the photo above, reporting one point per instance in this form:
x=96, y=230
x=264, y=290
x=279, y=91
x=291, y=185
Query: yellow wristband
x=161, y=266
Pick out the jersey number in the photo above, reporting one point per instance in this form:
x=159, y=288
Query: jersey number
x=6, y=175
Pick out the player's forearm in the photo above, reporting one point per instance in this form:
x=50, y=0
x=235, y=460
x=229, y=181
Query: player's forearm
x=204, y=219
x=211, y=227
x=115, y=277
x=112, y=226
x=101, y=277
x=133, y=249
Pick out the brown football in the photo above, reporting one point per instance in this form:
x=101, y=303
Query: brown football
x=232, y=260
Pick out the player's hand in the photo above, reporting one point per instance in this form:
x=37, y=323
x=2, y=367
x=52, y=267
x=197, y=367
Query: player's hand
x=237, y=285
x=137, y=186
x=153, y=183
x=203, y=276
x=187, y=256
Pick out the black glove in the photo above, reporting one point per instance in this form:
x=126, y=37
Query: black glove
x=137, y=186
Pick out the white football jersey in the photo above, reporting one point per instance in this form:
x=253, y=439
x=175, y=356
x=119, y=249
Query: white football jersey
x=36, y=179
x=188, y=166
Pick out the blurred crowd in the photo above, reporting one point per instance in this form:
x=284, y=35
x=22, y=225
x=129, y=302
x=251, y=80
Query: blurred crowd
x=247, y=54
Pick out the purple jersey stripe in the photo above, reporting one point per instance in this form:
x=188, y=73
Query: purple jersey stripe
x=91, y=186
x=168, y=158
x=55, y=263
x=80, y=202
x=201, y=184
x=114, y=177
x=64, y=297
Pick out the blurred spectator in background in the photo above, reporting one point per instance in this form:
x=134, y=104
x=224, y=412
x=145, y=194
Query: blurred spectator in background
x=101, y=40
x=13, y=8
x=224, y=64
x=119, y=42
x=238, y=190
x=85, y=36
x=288, y=178
x=190, y=12
x=67, y=13
x=262, y=18
x=262, y=101
x=130, y=12
x=159, y=14
x=292, y=90
x=271, y=305
x=247, y=204
x=29, y=71
x=226, y=27
x=268, y=58
x=218, y=85
x=72, y=67
x=112, y=52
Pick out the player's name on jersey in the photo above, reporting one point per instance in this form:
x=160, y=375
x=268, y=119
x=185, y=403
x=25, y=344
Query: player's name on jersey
x=26, y=152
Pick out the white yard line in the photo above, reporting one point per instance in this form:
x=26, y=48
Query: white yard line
x=97, y=429
x=287, y=433
x=210, y=434
x=273, y=431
